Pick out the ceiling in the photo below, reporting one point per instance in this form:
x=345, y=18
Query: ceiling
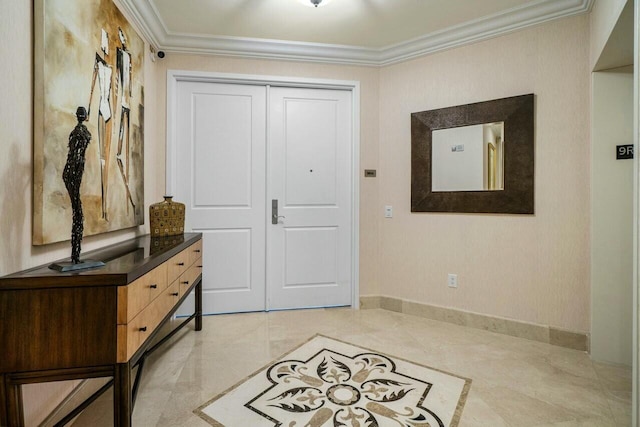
x=366, y=32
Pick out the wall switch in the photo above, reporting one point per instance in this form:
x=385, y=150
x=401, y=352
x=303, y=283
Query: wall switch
x=388, y=211
x=452, y=281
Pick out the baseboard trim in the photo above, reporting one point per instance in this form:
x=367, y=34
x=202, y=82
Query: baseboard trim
x=542, y=333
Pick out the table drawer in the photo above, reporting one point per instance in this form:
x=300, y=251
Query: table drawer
x=132, y=335
x=133, y=298
x=190, y=276
x=195, y=252
x=177, y=265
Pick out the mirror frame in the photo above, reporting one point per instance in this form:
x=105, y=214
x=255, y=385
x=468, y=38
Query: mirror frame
x=517, y=197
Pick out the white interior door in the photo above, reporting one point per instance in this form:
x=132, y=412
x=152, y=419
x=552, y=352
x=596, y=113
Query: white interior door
x=220, y=176
x=309, y=249
x=228, y=168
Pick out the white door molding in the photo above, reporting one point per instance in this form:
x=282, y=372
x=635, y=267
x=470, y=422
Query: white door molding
x=176, y=76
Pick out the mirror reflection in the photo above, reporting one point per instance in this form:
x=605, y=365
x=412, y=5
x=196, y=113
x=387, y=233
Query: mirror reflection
x=468, y=158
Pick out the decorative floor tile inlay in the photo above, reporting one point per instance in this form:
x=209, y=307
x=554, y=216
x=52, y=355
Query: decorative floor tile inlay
x=326, y=382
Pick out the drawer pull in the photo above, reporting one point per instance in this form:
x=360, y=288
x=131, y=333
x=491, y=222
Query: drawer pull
x=143, y=329
x=154, y=286
x=175, y=294
x=186, y=282
x=181, y=264
x=197, y=251
x=199, y=266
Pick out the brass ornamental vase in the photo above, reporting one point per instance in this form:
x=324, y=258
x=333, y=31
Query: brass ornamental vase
x=166, y=218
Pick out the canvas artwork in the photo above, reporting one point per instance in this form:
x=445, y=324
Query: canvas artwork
x=86, y=54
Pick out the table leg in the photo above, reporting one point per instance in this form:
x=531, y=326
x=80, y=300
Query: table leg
x=11, y=412
x=199, y=306
x=4, y=410
x=122, y=407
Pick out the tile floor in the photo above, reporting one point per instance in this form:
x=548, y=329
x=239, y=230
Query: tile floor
x=516, y=382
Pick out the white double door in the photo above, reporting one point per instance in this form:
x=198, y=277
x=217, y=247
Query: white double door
x=240, y=151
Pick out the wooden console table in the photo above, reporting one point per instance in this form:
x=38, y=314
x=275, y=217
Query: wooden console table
x=94, y=323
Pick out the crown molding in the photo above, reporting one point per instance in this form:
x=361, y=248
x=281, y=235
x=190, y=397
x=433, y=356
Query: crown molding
x=148, y=20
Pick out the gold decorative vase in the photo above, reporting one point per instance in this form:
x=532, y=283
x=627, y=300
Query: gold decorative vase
x=166, y=218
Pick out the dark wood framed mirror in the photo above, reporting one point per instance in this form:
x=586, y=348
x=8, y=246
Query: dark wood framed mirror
x=482, y=155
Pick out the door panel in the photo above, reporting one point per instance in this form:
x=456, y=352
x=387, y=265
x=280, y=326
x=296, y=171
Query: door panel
x=309, y=250
x=311, y=256
x=221, y=180
x=310, y=144
x=222, y=150
x=229, y=256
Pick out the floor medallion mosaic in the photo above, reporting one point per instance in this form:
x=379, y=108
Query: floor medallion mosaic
x=326, y=382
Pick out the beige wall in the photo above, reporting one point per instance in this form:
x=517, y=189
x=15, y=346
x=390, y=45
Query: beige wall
x=16, y=253
x=533, y=268
x=369, y=119
x=611, y=218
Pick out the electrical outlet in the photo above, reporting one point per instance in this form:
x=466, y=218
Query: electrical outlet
x=452, y=280
x=388, y=211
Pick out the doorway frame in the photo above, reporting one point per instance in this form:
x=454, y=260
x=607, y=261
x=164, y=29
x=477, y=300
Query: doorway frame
x=176, y=76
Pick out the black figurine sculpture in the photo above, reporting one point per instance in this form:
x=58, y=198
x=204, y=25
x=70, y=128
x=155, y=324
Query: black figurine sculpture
x=79, y=140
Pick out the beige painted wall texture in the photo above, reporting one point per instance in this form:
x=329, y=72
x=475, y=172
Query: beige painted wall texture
x=533, y=268
x=369, y=120
x=16, y=252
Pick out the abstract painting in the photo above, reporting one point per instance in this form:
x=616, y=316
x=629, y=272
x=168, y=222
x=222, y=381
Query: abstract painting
x=86, y=54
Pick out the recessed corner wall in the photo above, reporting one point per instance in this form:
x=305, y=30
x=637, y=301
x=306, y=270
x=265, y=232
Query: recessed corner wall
x=612, y=218
x=604, y=16
x=531, y=268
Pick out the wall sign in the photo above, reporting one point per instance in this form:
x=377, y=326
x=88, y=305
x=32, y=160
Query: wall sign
x=624, y=152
